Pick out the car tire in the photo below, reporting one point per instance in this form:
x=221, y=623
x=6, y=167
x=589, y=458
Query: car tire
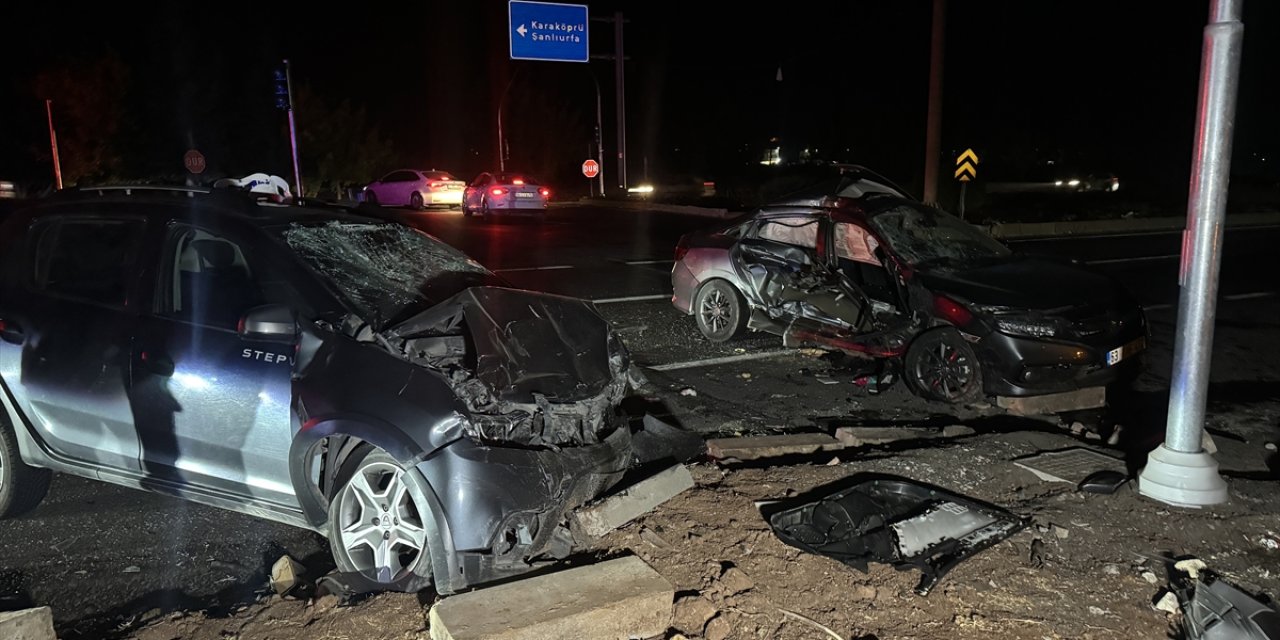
x=416, y=203
x=371, y=198
x=394, y=553
x=485, y=212
x=22, y=486
x=720, y=311
x=940, y=365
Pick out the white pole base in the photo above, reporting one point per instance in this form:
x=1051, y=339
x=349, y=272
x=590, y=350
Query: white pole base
x=1182, y=479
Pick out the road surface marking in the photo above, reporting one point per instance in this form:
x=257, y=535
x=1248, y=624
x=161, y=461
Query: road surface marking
x=1249, y=296
x=548, y=268
x=656, y=296
x=1138, y=259
x=691, y=364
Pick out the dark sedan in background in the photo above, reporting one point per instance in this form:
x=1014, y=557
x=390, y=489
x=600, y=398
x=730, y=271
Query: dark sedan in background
x=856, y=266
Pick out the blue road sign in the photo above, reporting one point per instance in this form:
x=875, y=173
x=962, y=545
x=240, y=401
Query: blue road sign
x=548, y=31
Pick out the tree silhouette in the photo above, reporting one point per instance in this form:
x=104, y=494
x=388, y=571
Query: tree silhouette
x=88, y=113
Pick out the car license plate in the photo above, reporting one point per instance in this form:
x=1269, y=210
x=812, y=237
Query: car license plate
x=521, y=194
x=1114, y=356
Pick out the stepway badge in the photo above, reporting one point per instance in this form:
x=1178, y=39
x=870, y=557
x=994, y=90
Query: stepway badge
x=548, y=31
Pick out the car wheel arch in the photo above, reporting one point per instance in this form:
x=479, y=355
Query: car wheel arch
x=351, y=435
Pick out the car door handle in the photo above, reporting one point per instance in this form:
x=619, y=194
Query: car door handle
x=157, y=362
x=10, y=332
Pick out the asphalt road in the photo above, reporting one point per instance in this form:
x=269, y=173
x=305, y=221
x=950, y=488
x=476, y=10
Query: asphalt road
x=102, y=556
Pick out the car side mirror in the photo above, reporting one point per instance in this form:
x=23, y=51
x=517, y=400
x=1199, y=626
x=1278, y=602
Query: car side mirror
x=272, y=323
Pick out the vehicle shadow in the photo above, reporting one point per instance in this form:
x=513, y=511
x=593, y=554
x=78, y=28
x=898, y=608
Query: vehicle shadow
x=123, y=620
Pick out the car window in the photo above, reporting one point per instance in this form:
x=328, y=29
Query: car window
x=88, y=259
x=855, y=243
x=798, y=231
x=922, y=235
x=438, y=175
x=515, y=178
x=480, y=180
x=212, y=280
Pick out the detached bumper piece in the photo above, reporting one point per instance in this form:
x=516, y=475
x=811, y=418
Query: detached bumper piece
x=896, y=521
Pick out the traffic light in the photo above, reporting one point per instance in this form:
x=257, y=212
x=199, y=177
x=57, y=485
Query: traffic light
x=282, y=90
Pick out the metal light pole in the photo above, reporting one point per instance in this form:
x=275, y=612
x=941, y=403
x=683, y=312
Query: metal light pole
x=502, y=142
x=1180, y=472
x=599, y=134
x=620, y=69
x=293, y=133
x=53, y=144
x=933, y=128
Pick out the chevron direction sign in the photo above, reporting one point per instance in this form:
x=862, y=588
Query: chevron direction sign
x=967, y=166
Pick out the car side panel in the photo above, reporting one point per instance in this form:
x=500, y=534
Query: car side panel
x=699, y=265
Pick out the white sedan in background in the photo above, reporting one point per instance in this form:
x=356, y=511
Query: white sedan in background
x=504, y=194
x=415, y=188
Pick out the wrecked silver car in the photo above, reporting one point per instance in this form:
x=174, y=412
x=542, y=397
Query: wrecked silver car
x=357, y=378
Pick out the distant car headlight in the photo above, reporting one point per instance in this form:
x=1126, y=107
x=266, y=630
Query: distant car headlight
x=1073, y=183
x=644, y=188
x=1028, y=328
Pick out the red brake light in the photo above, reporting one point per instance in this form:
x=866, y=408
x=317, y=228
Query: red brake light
x=498, y=191
x=436, y=185
x=546, y=193
x=952, y=311
x=517, y=182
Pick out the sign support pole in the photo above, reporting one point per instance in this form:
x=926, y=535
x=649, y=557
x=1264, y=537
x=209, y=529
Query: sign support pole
x=1180, y=472
x=53, y=145
x=293, y=134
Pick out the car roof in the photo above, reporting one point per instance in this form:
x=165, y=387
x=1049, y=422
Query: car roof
x=255, y=208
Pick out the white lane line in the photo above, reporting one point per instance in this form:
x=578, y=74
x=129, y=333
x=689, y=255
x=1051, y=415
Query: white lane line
x=691, y=364
x=1249, y=296
x=1138, y=259
x=547, y=268
x=656, y=296
x=635, y=262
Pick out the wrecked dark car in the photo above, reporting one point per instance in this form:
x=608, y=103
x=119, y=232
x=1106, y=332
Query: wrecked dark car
x=307, y=366
x=866, y=271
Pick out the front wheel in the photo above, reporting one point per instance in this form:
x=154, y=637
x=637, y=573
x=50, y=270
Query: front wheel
x=720, y=311
x=371, y=198
x=415, y=202
x=941, y=366
x=22, y=486
x=378, y=523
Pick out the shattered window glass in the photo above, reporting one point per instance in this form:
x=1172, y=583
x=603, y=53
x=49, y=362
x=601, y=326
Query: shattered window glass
x=385, y=270
x=854, y=243
x=921, y=235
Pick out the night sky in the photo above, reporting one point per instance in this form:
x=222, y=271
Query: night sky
x=1105, y=86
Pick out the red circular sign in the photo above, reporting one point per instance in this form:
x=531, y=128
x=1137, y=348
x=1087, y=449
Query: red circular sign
x=194, y=161
x=590, y=168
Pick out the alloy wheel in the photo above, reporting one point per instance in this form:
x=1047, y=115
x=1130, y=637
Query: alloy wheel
x=380, y=526
x=716, y=311
x=945, y=371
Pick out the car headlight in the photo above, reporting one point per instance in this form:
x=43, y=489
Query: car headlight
x=1029, y=328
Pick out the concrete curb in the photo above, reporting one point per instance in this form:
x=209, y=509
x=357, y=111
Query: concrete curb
x=1012, y=230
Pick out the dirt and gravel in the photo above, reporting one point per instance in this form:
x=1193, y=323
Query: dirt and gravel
x=1089, y=566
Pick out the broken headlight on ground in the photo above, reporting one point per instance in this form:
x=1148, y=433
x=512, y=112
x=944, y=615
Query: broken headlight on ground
x=895, y=521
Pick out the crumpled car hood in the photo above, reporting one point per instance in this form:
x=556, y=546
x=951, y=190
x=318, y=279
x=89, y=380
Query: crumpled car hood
x=526, y=342
x=1027, y=283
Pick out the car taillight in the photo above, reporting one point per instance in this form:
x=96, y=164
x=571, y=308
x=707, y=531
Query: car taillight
x=436, y=185
x=498, y=191
x=518, y=182
x=952, y=311
x=546, y=193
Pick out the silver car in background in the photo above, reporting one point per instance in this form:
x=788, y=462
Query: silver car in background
x=416, y=189
x=504, y=194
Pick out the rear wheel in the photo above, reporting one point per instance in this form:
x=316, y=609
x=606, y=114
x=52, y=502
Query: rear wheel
x=22, y=486
x=415, y=201
x=378, y=523
x=720, y=311
x=941, y=366
x=485, y=212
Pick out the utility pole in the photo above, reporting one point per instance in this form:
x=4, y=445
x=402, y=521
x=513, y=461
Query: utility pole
x=293, y=133
x=53, y=145
x=933, y=129
x=619, y=71
x=1180, y=472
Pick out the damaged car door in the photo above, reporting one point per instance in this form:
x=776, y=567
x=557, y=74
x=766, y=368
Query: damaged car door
x=780, y=261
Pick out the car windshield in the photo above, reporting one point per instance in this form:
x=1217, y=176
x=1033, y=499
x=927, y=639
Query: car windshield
x=514, y=178
x=922, y=235
x=386, y=271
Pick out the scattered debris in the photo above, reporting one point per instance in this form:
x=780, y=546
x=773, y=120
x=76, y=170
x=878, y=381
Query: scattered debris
x=626, y=505
x=1213, y=609
x=835, y=460
x=1071, y=465
x=1168, y=603
x=1269, y=541
x=1207, y=443
x=1106, y=481
x=1090, y=398
x=744, y=375
x=689, y=392
x=811, y=621
x=1060, y=533
x=897, y=521
x=757, y=447
x=1191, y=566
x=1111, y=569
x=652, y=537
x=133, y=568
x=1097, y=611
x=27, y=624
x=285, y=574
x=1270, y=446
x=1150, y=578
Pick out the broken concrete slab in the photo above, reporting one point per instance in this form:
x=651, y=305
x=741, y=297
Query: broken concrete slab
x=758, y=447
x=1090, y=398
x=620, y=508
x=623, y=598
x=27, y=624
x=864, y=436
